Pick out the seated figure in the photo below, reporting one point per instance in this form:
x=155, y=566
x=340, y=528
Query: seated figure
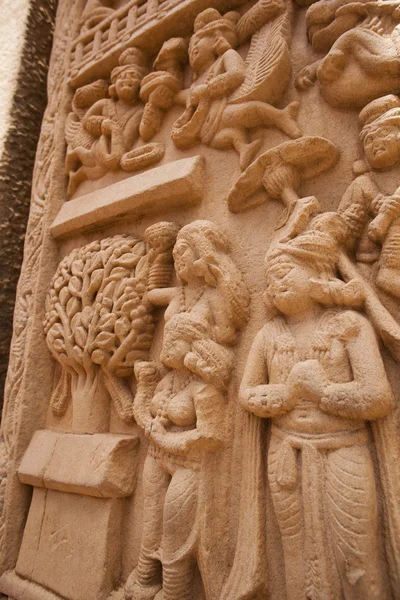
x=113, y=126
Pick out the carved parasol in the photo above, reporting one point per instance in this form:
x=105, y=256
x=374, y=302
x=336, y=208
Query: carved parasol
x=281, y=170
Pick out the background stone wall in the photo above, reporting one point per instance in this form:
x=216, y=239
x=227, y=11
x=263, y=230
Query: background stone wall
x=26, y=30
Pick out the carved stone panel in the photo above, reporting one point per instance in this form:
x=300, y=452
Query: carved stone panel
x=203, y=397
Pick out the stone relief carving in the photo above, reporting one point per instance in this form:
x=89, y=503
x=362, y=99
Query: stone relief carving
x=25, y=312
x=281, y=170
x=313, y=511
x=182, y=412
x=361, y=42
x=231, y=96
x=159, y=88
x=307, y=372
x=373, y=218
x=99, y=321
x=102, y=139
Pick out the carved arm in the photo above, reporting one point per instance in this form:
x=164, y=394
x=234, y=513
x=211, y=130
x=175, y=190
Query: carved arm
x=206, y=437
x=256, y=395
x=235, y=71
x=162, y=296
x=147, y=377
x=369, y=395
x=93, y=119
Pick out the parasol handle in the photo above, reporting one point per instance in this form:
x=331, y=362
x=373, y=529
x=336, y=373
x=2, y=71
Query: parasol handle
x=288, y=195
x=384, y=323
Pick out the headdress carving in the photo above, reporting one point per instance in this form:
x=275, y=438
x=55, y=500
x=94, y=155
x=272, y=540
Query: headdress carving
x=318, y=247
x=132, y=61
x=381, y=112
x=211, y=22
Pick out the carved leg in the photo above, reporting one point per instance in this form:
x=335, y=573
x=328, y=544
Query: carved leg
x=82, y=174
x=375, y=54
x=288, y=510
x=77, y=174
x=238, y=139
x=80, y=155
x=256, y=114
x=180, y=535
x=145, y=581
x=351, y=510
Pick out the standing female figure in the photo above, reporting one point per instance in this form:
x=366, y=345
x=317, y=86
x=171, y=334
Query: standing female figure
x=182, y=414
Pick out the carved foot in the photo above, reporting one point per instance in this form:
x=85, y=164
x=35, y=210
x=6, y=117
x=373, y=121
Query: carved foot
x=247, y=155
x=287, y=120
x=378, y=228
x=332, y=66
x=307, y=77
x=138, y=591
x=74, y=181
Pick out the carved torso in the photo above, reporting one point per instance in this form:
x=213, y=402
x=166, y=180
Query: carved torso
x=174, y=400
x=327, y=344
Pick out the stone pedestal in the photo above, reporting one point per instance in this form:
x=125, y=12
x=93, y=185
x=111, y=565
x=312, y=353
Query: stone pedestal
x=72, y=538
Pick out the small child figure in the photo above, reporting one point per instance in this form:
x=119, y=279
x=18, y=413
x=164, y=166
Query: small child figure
x=380, y=136
x=159, y=88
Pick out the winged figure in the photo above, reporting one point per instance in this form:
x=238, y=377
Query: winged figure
x=362, y=44
x=231, y=96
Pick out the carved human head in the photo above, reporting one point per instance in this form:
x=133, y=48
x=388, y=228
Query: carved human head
x=213, y=35
x=126, y=78
x=173, y=52
x=380, y=133
x=196, y=252
x=202, y=257
x=302, y=271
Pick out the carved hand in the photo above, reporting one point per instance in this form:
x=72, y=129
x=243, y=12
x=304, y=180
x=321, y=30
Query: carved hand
x=155, y=429
x=93, y=125
x=307, y=76
x=307, y=378
x=146, y=372
x=107, y=126
x=197, y=93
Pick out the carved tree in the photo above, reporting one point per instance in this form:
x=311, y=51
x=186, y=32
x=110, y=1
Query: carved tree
x=98, y=319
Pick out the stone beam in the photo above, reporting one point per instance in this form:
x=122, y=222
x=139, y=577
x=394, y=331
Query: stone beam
x=169, y=187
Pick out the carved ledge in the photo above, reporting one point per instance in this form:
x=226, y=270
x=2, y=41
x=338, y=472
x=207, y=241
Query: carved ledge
x=11, y=583
x=178, y=184
x=107, y=463
x=149, y=30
